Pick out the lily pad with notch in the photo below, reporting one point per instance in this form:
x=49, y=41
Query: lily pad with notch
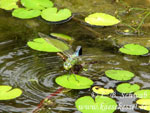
x=127, y=88
x=144, y=93
x=134, y=49
x=37, y=4
x=74, y=81
x=25, y=13
x=8, y=4
x=121, y=75
x=101, y=104
x=7, y=93
x=101, y=19
x=54, y=16
x=41, y=45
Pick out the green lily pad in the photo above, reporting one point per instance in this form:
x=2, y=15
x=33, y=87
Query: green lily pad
x=51, y=14
x=41, y=45
x=7, y=93
x=145, y=94
x=102, y=91
x=62, y=36
x=8, y=4
x=121, y=75
x=101, y=19
x=133, y=49
x=143, y=101
x=74, y=81
x=101, y=104
x=147, y=108
x=36, y=4
x=25, y=13
x=127, y=88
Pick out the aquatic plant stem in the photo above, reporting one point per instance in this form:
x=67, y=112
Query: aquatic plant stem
x=48, y=97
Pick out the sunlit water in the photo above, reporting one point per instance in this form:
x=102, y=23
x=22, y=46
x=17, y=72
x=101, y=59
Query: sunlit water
x=35, y=72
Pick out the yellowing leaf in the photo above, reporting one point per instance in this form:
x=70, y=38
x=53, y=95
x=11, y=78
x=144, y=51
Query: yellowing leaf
x=102, y=91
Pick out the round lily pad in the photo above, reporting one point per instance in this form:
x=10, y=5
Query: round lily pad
x=127, y=88
x=25, y=13
x=7, y=93
x=133, y=49
x=121, y=75
x=52, y=15
x=147, y=108
x=62, y=36
x=36, y=4
x=102, y=91
x=101, y=19
x=8, y=4
x=41, y=45
x=101, y=104
x=145, y=94
x=143, y=101
x=74, y=81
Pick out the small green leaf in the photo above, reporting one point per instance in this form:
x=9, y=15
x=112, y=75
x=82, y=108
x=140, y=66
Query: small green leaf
x=51, y=14
x=61, y=36
x=143, y=101
x=36, y=4
x=101, y=104
x=121, y=75
x=41, y=45
x=133, y=49
x=101, y=19
x=8, y=4
x=74, y=81
x=25, y=13
x=145, y=93
x=102, y=91
x=127, y=88
x=7, y=93
x=147, y=108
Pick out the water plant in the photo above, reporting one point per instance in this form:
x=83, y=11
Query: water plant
x=74, y=81
x=8, y=4
x=101, y=19
x=127, y=88
x=7, y=93
x=26, y=13
x=101, y=104
x=121, y=75
x=144, y=104
x=102, y=91
x=133, y=49
x=143, y=93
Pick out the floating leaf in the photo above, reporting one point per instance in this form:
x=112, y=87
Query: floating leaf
x=51, y=14
x=102, y=91
x=122, y=75
x=147, y=108
x=145, y=93
x=143, y=101
x=62, y=36
x=101, y=104
x=74, y=81
x=8, y=4
x=127, y=88
x=101, y=19
x=7, y=93
x=41, y=45
x=36, y=4
x=25, y=13
x=133, y=49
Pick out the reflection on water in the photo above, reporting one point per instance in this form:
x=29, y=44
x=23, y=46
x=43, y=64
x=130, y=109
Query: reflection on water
x=35, y=72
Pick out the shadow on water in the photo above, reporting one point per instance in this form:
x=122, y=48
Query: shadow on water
x=35, y=72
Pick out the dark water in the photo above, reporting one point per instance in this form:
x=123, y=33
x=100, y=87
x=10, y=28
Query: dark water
x=35, y=72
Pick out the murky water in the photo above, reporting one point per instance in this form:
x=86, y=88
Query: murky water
x=35, y=72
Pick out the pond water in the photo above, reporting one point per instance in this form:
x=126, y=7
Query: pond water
x=35, y=72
